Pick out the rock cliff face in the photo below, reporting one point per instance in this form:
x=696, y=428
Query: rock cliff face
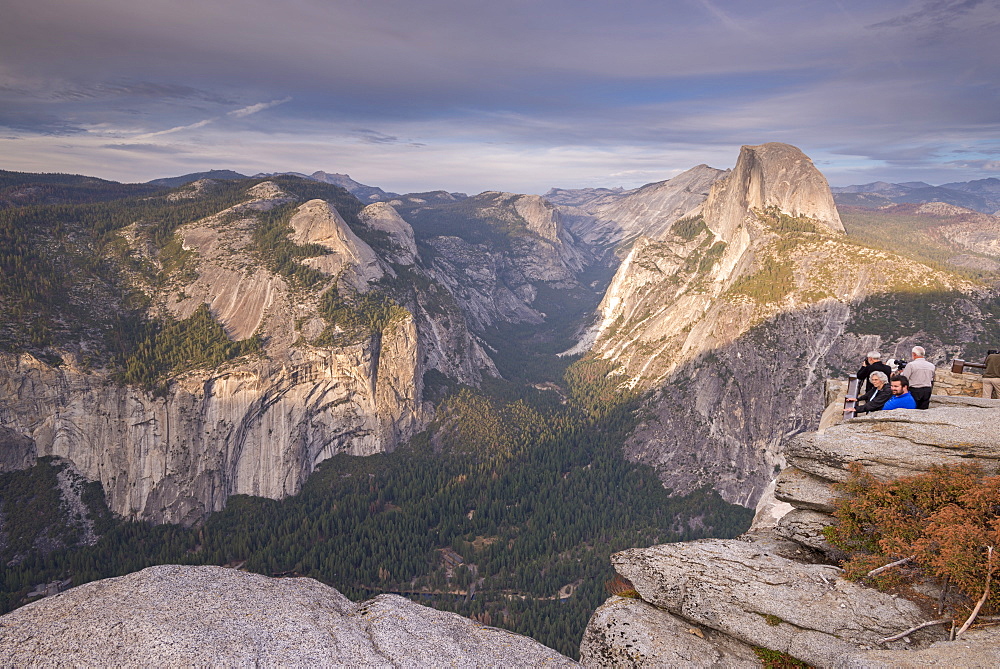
x=384, y=218
x=711, y=602
x=496, y=252
x=173, y=615
x=257, y=425
x=649, y=211
x=677, y=294
x=316, y=222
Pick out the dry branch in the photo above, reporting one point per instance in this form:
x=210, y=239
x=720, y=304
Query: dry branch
x=897, y=637
x=876, y=572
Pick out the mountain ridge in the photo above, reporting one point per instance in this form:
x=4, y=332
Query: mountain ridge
x=982, y=195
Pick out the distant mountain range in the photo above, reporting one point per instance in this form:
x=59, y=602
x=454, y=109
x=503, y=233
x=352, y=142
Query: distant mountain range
x=982, y=195
x=174, y=182
x=358, y=190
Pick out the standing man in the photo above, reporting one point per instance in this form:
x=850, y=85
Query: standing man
x=991, y=375
x=921, y=375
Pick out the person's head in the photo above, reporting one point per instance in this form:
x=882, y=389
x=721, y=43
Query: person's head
x=879, y=379
x=918, y=352
x=874, y=356
x=900, y=385
x=992, y=351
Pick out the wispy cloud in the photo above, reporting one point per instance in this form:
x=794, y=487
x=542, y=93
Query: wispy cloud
x=236, y=113
x=375, y=137
x=259, y=107
x=988, y=165
x=934, y=13
x=145, y=148
x=179, y=128
x=33, y=121
x=725, y=18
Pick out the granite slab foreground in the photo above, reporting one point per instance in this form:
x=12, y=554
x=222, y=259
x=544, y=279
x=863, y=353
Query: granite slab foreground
x=177, y=615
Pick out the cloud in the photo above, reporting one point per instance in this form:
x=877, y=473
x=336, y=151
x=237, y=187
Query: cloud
x=619, y=92
x=725, y=18
x=375, y=137
x=179, y=128
x=934, y=13
x=236, y=113
x=136, y=89
x=33, y=121
x=260, y=106
x=985, y=165
x=145, y=148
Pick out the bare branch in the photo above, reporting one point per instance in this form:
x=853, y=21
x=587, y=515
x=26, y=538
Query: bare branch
x=876, y=572
x=897, y=637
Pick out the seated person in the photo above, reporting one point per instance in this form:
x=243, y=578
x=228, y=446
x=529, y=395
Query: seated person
x=901, y=397
x=878, y=396
x=873, y=363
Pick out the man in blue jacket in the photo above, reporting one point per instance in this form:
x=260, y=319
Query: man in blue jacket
x=901, y=397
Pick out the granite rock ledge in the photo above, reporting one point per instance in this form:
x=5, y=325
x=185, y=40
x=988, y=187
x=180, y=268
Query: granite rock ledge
x=211, y=616
x=711, y=602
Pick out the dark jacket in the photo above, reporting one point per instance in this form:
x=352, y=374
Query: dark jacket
x=877, y=401
x=992, y=370
x=866, y=370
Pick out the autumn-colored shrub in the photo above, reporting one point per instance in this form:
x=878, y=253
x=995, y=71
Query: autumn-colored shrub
x=621, y=586
x=946, y=520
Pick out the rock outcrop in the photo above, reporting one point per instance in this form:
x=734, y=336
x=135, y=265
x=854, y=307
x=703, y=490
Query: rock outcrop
x=260, y=424
x=889, y=444
x=382, y=217
x=762, y=599
x=711, y=601
x=211, y=616
x=770, y=175
x=627, y=632
x=316, y=222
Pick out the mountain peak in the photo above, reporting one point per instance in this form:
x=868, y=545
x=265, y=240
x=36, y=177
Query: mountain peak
x=770, y=175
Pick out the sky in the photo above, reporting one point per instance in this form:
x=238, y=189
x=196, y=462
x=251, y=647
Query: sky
x=513, y=95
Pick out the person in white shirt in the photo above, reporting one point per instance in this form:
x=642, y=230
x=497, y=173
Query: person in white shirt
x=921, y=375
